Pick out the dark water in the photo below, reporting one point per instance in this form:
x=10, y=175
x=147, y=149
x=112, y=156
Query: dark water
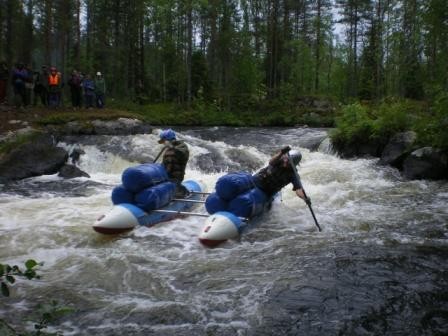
x=378, y=268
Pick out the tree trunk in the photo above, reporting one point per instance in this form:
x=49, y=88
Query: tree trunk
x=189, y=48
x=77, y=42
x=48, y=31
x=317, y=48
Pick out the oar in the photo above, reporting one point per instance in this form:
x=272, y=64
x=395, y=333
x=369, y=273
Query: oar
x=307, y=200
x=158, y=155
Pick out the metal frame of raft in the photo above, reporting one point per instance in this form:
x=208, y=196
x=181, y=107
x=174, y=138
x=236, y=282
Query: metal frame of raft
x=125, y=216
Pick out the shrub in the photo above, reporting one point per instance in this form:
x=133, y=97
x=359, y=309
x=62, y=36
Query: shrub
x=432, y=128
x=392, y=118
x=353, y=125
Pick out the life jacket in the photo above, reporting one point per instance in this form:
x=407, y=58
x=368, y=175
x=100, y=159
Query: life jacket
x=273, y=178
x=175, y=160
x=53, y=80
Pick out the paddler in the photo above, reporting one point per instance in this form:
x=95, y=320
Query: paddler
x=175, y=159
x=279, y=173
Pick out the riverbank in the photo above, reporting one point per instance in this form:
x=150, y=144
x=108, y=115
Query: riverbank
x=310, y=111
x=410, y=136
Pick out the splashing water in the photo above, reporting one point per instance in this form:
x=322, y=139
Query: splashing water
x=378, y=267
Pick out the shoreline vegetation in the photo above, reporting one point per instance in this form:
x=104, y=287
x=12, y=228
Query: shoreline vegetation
x=358, y=129
x=351, y=123
x=311, y=111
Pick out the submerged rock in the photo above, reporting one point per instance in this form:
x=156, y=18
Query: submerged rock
x=69, y=171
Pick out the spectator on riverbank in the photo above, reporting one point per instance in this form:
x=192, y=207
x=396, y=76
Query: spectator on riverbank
x=19, y=75
x=4, y=76
x=100, y=90
x=41, y=86
x=29, y=85
x=74, y=82
x=88, y=87
x=54, y=88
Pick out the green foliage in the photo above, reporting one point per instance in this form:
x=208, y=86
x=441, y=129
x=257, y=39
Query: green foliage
x=360, y=123
x=44, y=313
x=354, y=124
x=9, y=273
x=392, y=117
x=432, y=128
x=63, y=117
x=47, y=313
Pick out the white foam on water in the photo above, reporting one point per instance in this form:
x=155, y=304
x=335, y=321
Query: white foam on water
x=149, y=268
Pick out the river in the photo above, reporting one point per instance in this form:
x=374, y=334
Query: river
x=379, y=267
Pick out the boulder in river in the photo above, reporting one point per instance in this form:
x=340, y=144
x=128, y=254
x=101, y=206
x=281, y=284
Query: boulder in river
x=75, y=154
x=397, y=148
x=367, y=147
x=426, y=163
x=34, y=158
x=69, y=171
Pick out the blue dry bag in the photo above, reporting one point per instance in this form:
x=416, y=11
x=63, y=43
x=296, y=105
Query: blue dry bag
x=121, y=195
x=231, y=185
x=249, y=204
x=156, y=196
x=214, y=203
x=140, y=177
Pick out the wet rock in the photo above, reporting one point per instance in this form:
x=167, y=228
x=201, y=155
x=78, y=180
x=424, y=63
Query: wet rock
x=39, y=157
x=214, y=163
x=76, y=154
x=69, y=171
x=121, y=126
x=397, y=149
x=326, y=146
x=245, y=160
x=372, y=148
x=13, y=135
x=313, y=142
x=426, y=163
x=76, y=127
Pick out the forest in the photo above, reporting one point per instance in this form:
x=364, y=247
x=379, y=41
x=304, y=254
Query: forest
x=237, y=53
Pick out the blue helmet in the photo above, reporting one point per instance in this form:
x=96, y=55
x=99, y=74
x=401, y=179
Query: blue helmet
x=296, y=156
x=167, y=134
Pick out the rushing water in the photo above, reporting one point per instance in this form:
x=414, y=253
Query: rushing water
x=378, y=268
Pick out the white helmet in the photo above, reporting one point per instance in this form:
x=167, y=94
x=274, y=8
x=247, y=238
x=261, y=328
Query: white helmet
x=98, y=73
x=296, y=156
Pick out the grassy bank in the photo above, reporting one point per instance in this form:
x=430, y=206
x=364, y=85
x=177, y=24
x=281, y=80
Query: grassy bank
x=358, y=122
x=198, y=115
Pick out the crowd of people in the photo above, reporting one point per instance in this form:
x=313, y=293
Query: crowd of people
x=30, y=87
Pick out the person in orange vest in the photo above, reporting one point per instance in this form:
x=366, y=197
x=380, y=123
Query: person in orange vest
x=54, y=88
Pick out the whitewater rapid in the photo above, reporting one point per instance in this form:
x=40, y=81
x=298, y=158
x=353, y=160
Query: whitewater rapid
x=378, y=267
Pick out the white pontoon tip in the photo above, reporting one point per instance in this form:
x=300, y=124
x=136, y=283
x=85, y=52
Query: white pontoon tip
x=118, y=220
x=218, y=228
